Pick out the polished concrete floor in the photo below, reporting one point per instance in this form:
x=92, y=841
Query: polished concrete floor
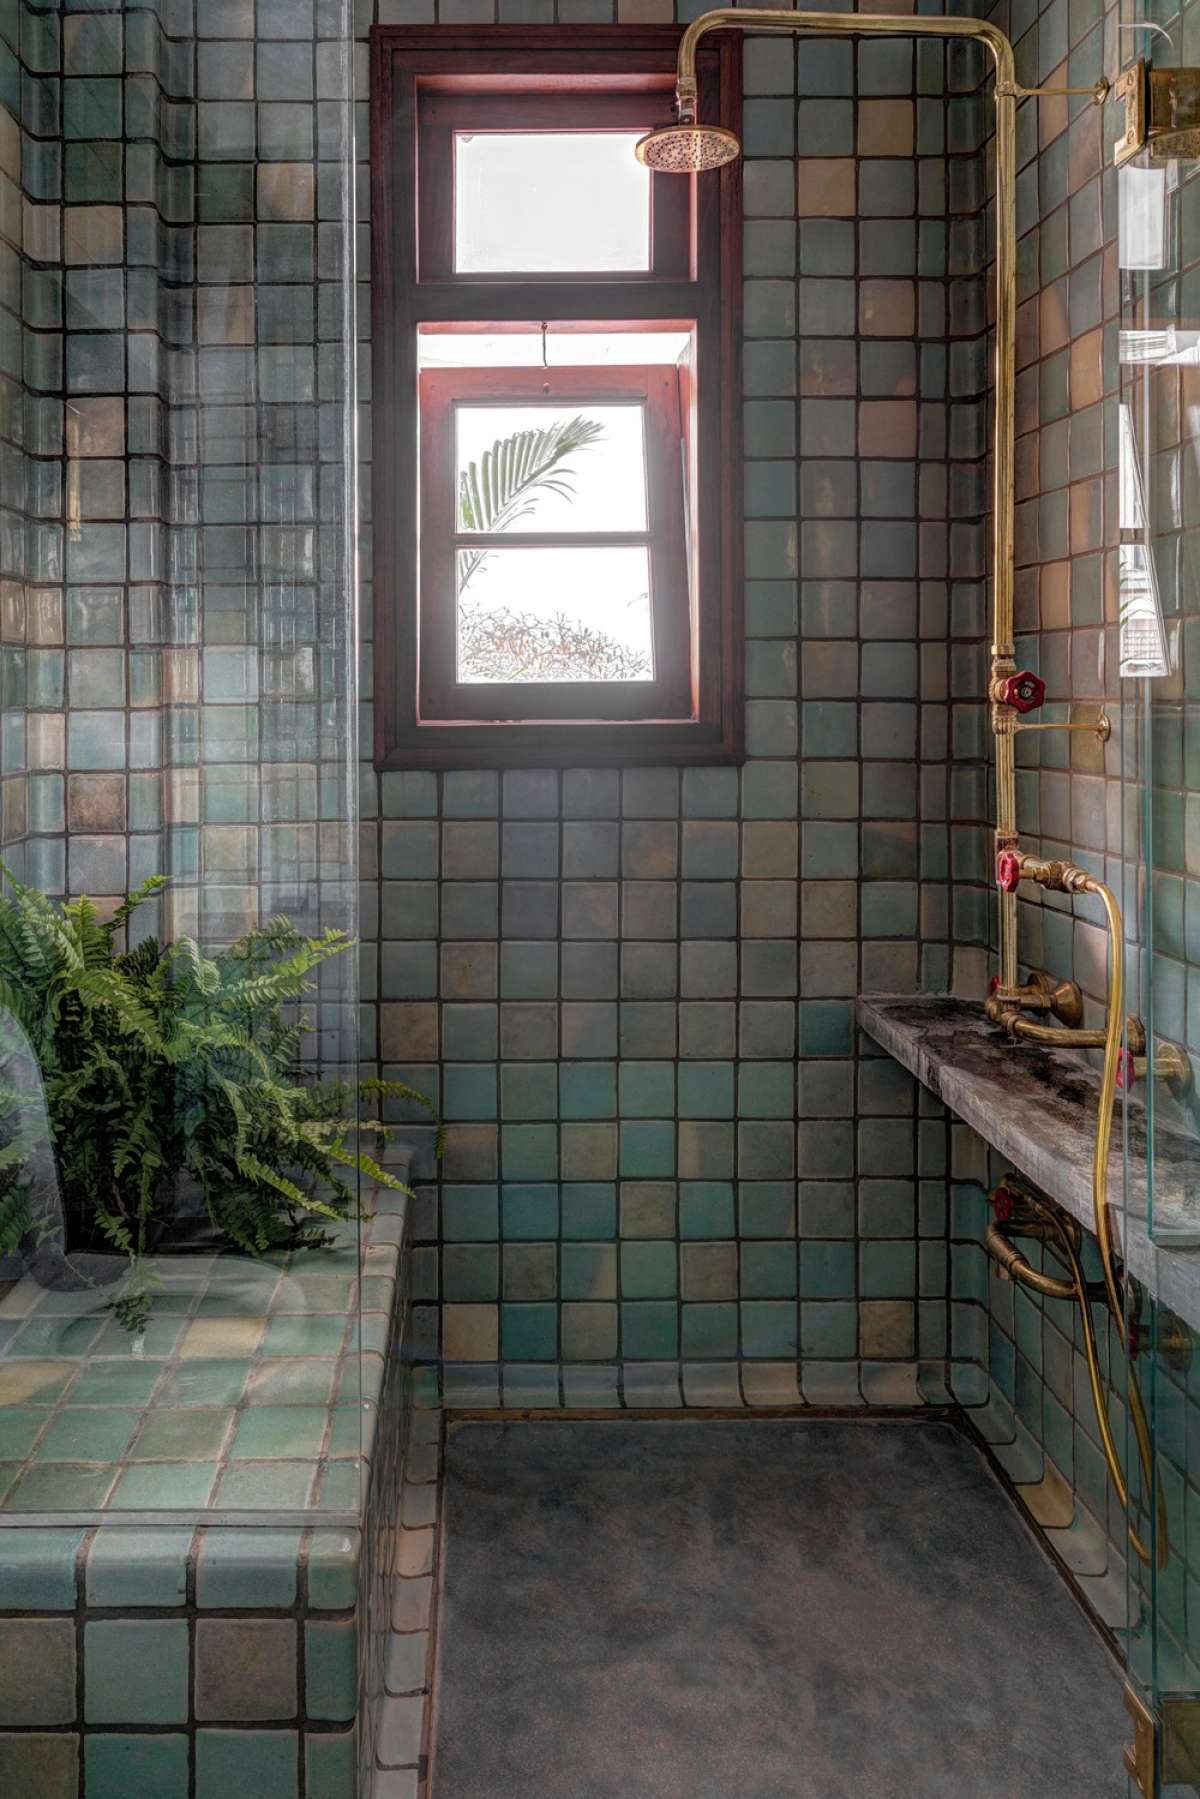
x=760, y=1610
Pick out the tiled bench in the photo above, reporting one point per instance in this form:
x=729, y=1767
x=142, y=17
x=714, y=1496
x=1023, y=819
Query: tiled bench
x=197, y=1658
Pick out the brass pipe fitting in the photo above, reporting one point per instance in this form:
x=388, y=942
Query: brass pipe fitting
x=1014, y=1266
x=1169, y=1064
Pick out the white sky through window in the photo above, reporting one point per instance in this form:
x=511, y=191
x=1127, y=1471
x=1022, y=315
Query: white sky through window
x=601, y=486
x=549, y=202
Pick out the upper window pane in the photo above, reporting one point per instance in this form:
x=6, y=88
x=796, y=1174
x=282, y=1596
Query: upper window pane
x=558, y=466
x=550, y=202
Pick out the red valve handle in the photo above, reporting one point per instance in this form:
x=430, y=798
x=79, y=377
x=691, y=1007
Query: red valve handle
x=1002, y=1204
x=1008, y=871
x=994, y=984
x=1024, y=691
x=1125, y=1070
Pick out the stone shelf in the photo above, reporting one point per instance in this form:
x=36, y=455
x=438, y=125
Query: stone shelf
x=1037, y=1107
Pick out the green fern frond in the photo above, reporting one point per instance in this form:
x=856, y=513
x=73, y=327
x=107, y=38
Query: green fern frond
x=160, y=1061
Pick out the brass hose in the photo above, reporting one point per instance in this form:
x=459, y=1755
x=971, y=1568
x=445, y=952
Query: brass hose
x=1065, y=877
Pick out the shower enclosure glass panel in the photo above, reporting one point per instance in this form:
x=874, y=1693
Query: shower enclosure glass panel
x=179, y=697
x=1154, y=434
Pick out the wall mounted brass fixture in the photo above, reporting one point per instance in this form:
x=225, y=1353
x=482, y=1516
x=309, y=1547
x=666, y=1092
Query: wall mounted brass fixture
x=1098, y=91
x=1170, y=1065
x=1162, y=112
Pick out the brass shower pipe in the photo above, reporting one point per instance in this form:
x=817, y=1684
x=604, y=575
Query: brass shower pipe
x=1012, y=692
x=1013, y=867
x=691, y=146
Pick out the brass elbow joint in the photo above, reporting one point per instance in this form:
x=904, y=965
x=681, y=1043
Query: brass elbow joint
x=1059, y=877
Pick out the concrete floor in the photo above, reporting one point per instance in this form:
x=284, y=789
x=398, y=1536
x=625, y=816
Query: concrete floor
x=758, y=1610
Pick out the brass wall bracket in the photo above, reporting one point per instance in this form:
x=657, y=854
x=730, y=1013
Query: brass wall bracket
x=1162, y=112
x=1141, y=1756
x=1171, y=1065
x=1098, y=92
x=1100, y=726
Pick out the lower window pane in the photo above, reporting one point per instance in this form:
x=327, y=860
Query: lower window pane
x=554, y=614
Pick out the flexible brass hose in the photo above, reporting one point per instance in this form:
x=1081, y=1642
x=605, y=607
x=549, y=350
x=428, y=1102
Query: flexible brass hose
x=1064, y=877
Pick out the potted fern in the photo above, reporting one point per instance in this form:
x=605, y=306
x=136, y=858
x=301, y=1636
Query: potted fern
x=128, y=1075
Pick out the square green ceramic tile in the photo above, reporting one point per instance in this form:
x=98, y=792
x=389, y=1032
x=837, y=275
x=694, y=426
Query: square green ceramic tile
x=60, y=1487
x=530, y=1212
x=769, y=1327
x=529, y=1332
x=85, y=1435
x=248, y=1569
x=710, y=1330
x=304, y=1336
x=116, y=1383
x=178, y=1433
x=19, y=1427
x=204, y=1382
x=296, y=1380
x=706, y=1209
x=116, y=1766
x=136, y=1671
x=263, y=1486
x=131, y=1566
x=248, y=1761
x=589, y=1209
x=37, y=1571
x=164, y=1486
x=280, y=1430
x=649, y=1329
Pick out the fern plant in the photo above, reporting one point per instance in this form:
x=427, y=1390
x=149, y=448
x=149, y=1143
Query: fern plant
x=160, y=1064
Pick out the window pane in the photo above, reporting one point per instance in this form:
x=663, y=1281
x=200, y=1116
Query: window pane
x=464, y=347
x=551, y=201
x=554, y=615
x=554, y=467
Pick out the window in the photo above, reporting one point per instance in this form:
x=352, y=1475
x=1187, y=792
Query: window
x=555, y=434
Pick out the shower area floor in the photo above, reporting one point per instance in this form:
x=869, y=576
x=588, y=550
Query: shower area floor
x=772, y=1609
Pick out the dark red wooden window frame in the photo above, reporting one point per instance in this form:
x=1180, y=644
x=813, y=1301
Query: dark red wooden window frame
x=695, y=282
x=669, y=693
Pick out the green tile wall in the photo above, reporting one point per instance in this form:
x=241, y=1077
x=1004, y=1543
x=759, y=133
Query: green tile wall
x=668, y=1172
x=183, y=684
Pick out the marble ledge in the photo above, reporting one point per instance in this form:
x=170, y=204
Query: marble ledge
x=1037, y=1108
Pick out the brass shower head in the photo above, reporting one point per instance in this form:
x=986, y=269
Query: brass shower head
x=687, y=148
